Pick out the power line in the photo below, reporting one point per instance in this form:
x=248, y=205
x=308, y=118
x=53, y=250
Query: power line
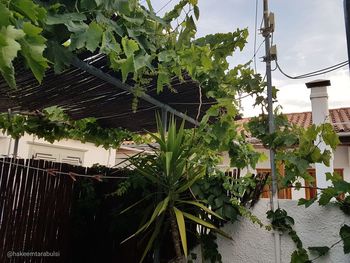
x=314, y=73
x=257, y=50
x=164, y=6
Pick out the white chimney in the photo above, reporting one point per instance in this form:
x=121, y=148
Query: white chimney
x=320, y=114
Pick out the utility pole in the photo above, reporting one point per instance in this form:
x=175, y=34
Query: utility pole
x=347, y=24
x=266, y=32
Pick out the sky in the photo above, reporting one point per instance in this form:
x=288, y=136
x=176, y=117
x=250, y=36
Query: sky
x=309, y=34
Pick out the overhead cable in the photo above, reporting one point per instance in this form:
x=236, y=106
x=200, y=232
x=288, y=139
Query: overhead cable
x=314, y=73
x=164, y=6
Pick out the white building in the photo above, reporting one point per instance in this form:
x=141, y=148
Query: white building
x=340, y=119
x=65, y=151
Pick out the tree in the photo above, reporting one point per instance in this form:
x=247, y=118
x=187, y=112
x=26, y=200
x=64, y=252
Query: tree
x=173, y=170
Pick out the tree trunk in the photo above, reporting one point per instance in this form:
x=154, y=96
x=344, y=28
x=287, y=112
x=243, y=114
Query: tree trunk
x=176, y=237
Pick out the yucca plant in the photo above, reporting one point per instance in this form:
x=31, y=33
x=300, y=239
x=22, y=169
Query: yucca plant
x=172, y=170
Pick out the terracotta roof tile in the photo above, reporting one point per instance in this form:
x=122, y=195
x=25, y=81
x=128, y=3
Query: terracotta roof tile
x=340, y=119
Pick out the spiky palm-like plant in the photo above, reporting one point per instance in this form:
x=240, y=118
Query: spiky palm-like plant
x=172, y=170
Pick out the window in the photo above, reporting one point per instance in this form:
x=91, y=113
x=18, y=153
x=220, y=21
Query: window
x=263, y=174
x=311, y=192
x=233, y=173
x=56, y=153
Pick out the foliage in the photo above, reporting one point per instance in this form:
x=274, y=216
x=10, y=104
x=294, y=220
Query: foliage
x=138, y=43
x=53, y=124
x=321, y=251
x=296, y=149
x=209, y=248
x=345, y=236
x=282, y=222
x=140, y=46
x=211, y=190
x=173, y=170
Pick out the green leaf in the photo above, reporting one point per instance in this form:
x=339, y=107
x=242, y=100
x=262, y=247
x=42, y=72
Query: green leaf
x=55, y=114
x=162, y=79
x=5, y=15
x=155, y=214
x=168, y=161
x=78, y=41
x=8, y=52
x=206, y=209
x=300, y=256
x=199, y=221
x=196, y=11
x=33, y=46
x=205, y=224
x=189, y=183
x=93, y=36
x=152, y=238
x=127, y=66
x=129, y=46
x=135, y=204
x=111, y=25
x=305, y=202
x=316, y=155
x=182, y=229
x=74, y=26
x=59, y=55
x=321, y=251
x=342, y=186
x=165, y=205
x=29, y=9
x=142, y=60
x=345, y=236
x=166, y=55
x=73, y=21
x=326, y=195
x=65, y=18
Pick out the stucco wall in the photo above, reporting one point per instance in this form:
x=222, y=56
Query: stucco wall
x=316, y=226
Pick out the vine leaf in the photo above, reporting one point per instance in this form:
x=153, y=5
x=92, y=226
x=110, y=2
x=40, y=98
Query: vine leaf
x=142, y=60
x=300, y=256
x=321, y=251
x=129, y=46
x=327, y=195
x=33, y=46
x=307, y=203
x=345, y=236
x=29, y=9
x=126, y=66
x=196, y=11
x=65, y=18
x=93, y=36
x=8, y=52
x=5, y=15
x=59, y=55
x=162, y=79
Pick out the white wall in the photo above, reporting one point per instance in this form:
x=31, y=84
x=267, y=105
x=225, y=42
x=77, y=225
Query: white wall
x=92, y=154
x=316, y=226
x=342, y=160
